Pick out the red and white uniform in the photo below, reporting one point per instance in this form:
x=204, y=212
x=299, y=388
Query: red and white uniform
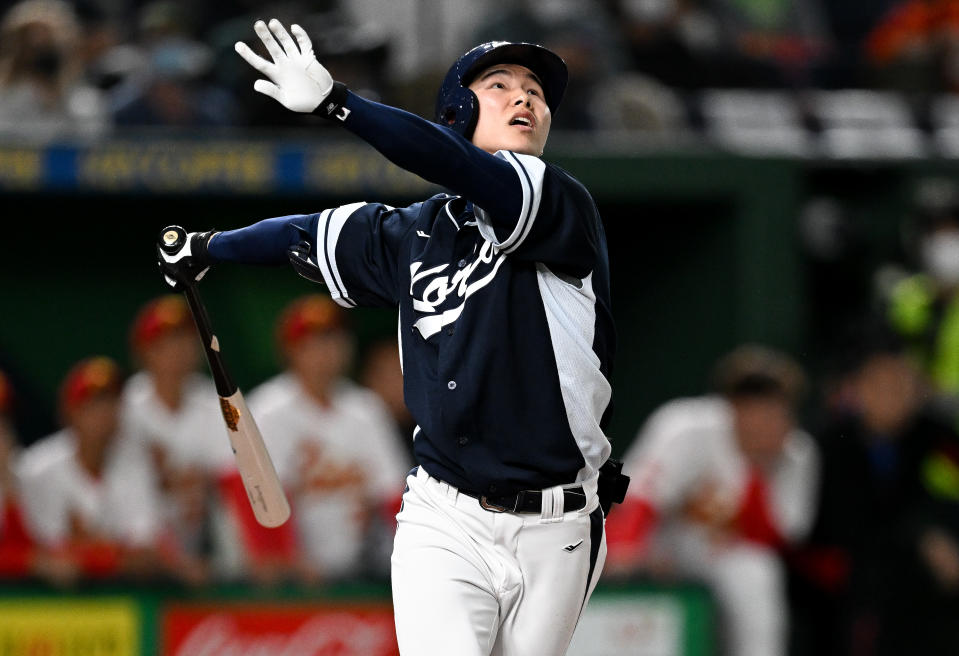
x=191, y=436
x=62, y=500
x=687, y=452
x=340, y=462
x=194, y=443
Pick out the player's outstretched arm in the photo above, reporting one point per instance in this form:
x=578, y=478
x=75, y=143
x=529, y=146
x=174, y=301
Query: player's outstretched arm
x=435, y=153
x=268, y=242
x=294, y=78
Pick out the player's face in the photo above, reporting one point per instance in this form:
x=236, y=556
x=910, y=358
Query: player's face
x=888, y=391
x=96, y=420
x=762, y=426
x=320, y=359
x=174, y=356
x=513, y=114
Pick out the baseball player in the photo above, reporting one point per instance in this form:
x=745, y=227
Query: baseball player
x=173, y=410
x=506, y=339
x=333, y=442
x=722, y=484
x=88, y=491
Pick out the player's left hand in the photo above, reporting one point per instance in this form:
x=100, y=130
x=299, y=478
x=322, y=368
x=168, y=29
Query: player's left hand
x=296, y=80
x=186, y=262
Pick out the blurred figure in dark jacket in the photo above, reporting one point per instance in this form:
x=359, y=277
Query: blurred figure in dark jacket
x=881, y=572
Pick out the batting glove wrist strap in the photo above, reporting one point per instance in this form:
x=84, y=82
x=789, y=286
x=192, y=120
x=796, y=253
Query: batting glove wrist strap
x=332, y=108
x=189, y=264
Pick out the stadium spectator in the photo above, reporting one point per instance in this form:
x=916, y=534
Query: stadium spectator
x=769, y=43
x=174, y=410
x=673, y=41
x=923, y=307
x=880, y=572
x=334, y=445
x=88, y=492
x=915, y=46
x=172, y=88
x=583, y=35
x=42, y=93
x=721, y=486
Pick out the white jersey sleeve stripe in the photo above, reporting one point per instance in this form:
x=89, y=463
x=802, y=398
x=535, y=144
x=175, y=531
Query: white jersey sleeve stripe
x=530, y=171
x=328, y=230
x=322, y=258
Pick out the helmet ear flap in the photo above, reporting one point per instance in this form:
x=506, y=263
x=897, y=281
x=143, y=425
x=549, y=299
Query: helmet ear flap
x=459, y=111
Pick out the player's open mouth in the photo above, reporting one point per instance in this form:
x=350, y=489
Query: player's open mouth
x=524, y=119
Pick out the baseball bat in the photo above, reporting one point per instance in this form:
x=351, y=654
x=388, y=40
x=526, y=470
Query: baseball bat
x=262, y=485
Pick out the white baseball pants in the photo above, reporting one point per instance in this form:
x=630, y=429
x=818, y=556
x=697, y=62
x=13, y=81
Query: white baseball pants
x=471, y=582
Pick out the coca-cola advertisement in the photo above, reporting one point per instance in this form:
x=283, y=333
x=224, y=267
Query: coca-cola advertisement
x=278, y=630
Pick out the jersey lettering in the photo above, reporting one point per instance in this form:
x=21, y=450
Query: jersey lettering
x=433, y=292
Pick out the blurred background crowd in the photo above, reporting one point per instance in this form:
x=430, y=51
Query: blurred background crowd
x=140, y=484
x=791, y=70
x=818, y=502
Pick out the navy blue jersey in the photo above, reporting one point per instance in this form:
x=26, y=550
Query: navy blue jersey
x=504, y=305
x=506, y=335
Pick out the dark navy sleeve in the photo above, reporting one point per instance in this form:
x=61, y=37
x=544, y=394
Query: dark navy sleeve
x=355, y=247
x=558, y=223
x=437, y=154
x=358, y=249
x=264, y=242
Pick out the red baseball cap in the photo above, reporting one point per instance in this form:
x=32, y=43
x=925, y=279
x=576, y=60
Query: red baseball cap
x=88, y=379
x=309, y=315
x=159, y=317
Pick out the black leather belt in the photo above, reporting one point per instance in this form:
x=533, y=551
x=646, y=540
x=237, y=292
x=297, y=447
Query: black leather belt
x=528, y=501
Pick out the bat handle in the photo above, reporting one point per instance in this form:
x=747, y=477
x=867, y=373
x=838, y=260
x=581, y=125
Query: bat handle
x=171, y=241
x=225, y=385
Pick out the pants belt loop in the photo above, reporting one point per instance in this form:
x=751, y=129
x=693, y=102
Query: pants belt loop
x=451, y=492
x=552, y=505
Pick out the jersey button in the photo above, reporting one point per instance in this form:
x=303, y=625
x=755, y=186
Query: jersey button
x=449, y=331
x=461, y=263
x=463, y=440
x=451, y=385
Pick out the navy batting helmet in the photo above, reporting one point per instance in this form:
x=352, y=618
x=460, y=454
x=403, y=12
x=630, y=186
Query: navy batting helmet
x=458, y=107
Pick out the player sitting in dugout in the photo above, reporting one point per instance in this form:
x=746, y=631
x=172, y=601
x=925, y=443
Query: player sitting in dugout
x=506, y=339
x=723, y=484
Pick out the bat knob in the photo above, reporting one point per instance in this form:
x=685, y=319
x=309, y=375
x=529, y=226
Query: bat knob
x=172, y=239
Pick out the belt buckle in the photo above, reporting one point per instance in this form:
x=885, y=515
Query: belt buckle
x=492, y=507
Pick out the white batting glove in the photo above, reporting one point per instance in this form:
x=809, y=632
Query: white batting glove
x=296, y=80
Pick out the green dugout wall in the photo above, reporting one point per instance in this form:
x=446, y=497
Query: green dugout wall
x=705, y=250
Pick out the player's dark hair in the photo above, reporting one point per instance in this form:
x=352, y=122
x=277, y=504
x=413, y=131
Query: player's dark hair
x=754, y=371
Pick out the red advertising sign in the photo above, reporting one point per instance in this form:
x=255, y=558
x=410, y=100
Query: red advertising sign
x=278, y=630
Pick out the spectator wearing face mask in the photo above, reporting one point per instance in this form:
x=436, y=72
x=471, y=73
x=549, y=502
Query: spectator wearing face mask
x=923, y=308
x=42, y=95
